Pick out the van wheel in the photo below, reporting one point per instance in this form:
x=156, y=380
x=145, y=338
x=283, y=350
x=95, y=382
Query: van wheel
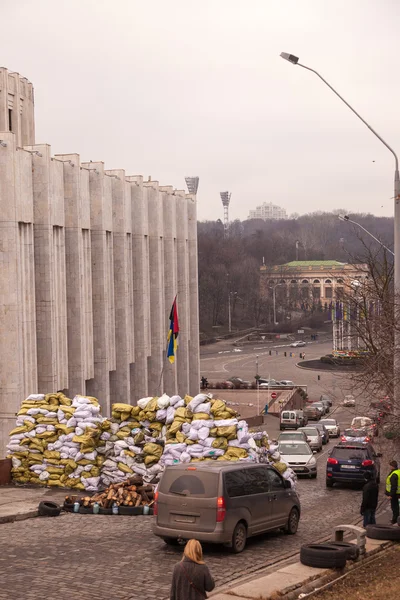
x=171, y=541
x=329, y=483
x=293, y=522
x=239, y=538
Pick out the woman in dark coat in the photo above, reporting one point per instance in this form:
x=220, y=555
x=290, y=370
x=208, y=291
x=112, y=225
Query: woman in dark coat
x=191, y=578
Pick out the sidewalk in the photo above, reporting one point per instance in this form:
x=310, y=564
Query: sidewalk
x=19, y=503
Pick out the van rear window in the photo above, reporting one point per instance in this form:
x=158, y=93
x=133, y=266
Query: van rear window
x=288, y=415
x=200, y=484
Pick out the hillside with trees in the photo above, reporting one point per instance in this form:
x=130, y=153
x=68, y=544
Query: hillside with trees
x=230, y=265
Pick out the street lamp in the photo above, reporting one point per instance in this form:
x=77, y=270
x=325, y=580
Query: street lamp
x=274, y=299
x=347, y=219
x=295, y=60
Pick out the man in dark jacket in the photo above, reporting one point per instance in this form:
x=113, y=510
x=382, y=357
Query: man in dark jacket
x=393, y=489
x=369, y=499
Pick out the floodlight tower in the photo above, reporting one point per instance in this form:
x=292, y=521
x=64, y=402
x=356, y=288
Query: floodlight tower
x=226, y=198
x=192, y=184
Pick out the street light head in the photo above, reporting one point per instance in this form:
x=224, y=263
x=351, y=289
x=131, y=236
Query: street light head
x=290, y=57
x=343, y=217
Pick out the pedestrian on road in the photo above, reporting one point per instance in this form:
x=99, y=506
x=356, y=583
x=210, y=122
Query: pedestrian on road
x=393, y=489
x=191, y=579
x=369, y=499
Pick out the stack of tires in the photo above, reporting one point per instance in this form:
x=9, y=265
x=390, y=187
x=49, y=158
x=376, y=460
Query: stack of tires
x=330, y=555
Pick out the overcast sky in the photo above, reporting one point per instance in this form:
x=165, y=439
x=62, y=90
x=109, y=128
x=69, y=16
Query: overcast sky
x=170, y=88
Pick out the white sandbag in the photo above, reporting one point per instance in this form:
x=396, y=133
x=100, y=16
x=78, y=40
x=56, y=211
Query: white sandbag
x=203, y=408
x=27, y=418
x=179, y=404
x=181, y=447
x=193, y=434
x=79, y=400
x=208, y=442
x=16, y=462
x=174, y=400
x=80, y=415
x=185, y=457
x=85, y=424
x=92, y=482
x=32, y=411
x=203, y=432
x=105, y=436
x=44, y=475
x=36, y=397
x=161, y=414
x=143, y=402
x=79, y=431
x=50, y=428
x=163, y=401
x=200, y=423
x=40, y=429
x=17, y=448
x=155, y=469
x=210, y=452
x=90, y=455
x=225, y=422
x=114, y=427
x=14, y=439
x=170, y=415
x=197, y=400
x=60, y=415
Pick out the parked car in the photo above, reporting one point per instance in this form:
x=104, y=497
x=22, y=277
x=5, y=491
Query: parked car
x=303, y=418
x=263, y=383
x=332, y=426
x=286, y=436
x=349, y=400
x=355, y=435
x=286, y=383
x=349, y=461
x=365, y=423
x=326, y=404
x=299, y=456
x=328, y=399
x=238, y=382
x=314, y=437
x=312, y=412
x=223, y=503
x=321, y=407
x=298, y=344
x=323, y=432
x=289, y=419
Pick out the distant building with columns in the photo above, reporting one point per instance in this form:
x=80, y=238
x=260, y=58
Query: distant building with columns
x=309, y=281
x=268, y=211
x=91, y=260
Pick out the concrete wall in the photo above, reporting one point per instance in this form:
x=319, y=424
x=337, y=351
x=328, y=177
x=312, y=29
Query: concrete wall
x=90, y=263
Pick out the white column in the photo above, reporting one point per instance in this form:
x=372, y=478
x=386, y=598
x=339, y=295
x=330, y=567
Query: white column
x=182, y=360
x=194, y=337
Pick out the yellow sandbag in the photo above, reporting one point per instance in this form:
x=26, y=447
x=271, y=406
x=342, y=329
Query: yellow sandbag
x=280, y=466
x=124, y=468
x=121, y=407
x=156, y=425
x=187, y=399
x=125, y=415
x=46, y=435
x=18, y=430
x=18, y=470
x=35, y=457
x=83, y=462
x=53, y=461
x=220, y=442
x=222, y=414
x=236, y=452
x=100, y=460
x=52, y=454
x=85, y=474
x=201, y=417
x=68, y=462
x=64, y=401
x=54, y=477
x=125, y=428
x=181, y=437
x=95, y=472
x=46, y=421
x=22, y=411
x=153, y=449
x=79, y=486
x=129, y=453
x=22, y=454
x=64, y=479
x=139, y=437
x=150, y=459
x=29, y=425
x=21, y=479
x=115, y=415
x=180, y=413
x=197, y=459
x=68, y=410
x=213, y=432
x=123, y=434
x=135, y=410
x=54, y=470
x=150, y=415
x=66, y=430
x=227, y=431
x=217, y=405
x=174, y=427
x=54, y=482
x=152, y=405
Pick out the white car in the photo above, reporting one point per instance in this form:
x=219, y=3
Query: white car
x=286, y=383
x=349, y=400
x=332, y=426
x=299, y=456
x=298, y=344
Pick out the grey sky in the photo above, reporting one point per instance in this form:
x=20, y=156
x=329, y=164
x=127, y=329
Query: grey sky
x=170, y=88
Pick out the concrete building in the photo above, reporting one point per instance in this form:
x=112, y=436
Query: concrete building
x=91, y=260
x=309, y=281
x=268, y=211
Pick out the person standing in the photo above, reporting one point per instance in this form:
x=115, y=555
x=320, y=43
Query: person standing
x=393, y=489
x=369, y=499
x=191, y=579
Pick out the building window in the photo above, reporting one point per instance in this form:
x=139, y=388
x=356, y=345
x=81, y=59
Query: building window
x=282, y=281
x=340, y=280
x=316, y=281
x=328, y=292
x=328, y=281
x=293, y=281
x=304, y=281
x=10, y=120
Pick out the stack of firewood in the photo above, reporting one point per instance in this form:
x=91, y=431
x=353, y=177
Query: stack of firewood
x=128, y=493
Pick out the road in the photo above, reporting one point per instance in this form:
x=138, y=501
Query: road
x=95, y=557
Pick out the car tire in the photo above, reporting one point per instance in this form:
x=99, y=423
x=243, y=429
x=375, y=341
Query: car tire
x=352, y=550
x=239, y=538
x=378, y=478
x=329, y=483
x=171, y=541
x=292, y=524
x=314, y=475
x=383, y=532
x=323, y=556
x=49, y=509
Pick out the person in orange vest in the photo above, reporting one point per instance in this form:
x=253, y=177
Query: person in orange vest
x=393, y=489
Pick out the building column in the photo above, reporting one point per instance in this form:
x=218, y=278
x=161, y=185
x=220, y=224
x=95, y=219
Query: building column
x=194, y=329
x=182, y=359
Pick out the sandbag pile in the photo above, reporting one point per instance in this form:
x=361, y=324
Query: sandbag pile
x=162, y=431
x=55, y=441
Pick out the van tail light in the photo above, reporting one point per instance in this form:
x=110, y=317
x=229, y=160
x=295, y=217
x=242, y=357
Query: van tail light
x=221, y=509
x=342, y=439
x=367, y=463
x=367, y=439
x=155, y=504
x=333, y=461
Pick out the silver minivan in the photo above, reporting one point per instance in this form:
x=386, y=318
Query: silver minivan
x=290, y=419
x=223, y=502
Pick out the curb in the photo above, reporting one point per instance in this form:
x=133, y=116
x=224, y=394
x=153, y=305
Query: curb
x=19, y=517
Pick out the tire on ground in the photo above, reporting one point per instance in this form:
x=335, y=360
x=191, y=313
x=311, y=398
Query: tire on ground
x=383, y=532
x=323, y=556
x=352, y=550
x=49, y=509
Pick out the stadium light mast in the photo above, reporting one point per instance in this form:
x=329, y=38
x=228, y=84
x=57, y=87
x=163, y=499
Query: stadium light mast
x=192, y=184
x=226, y=198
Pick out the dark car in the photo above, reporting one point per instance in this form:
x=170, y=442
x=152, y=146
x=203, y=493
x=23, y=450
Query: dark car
x=349, y=461
x=325, y=398
x=323, y=431
x=312, y=413
x=238, y=383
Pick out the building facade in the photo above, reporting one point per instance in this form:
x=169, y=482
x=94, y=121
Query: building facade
x=268, y=211
x=91, y=260
x=309, y=282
